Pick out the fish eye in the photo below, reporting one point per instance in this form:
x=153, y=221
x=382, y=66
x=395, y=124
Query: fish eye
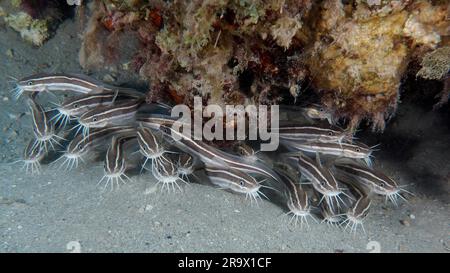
x=358, y=149
x=30, y=83
x=80, y=146
x=75, y=105
x=382, y=184
x=94, y=119
x=241, y=182
x=322, y=183
x=330, y=133
x=321, y=110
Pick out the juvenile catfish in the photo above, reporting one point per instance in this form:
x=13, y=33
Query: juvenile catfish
x=43, y=129
x=115, y=164
x=63, y=82
x=103, y=116
x=75, y=106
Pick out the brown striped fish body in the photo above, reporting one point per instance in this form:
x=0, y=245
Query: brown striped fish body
x=77, y=105
x=154, y=121
x=349, y=150
x=116, y=114
x=322, y=180
x=80, y=145
x=151, y=145
x=165, y=170
x=245, y=151
x=330, y=213
x=185, y=164
x=312, y=133
x=212, y=156
x=165, y=167
x=32, y=155
x=297, y=198
x=115, y=155
x=59, y=82
x=43, y=130
x=235, y=180
x=375, y=180
x=358, y=211
x=115, y=164
x=41, y=126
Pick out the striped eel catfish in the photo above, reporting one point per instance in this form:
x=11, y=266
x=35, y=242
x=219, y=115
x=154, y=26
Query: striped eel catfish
x=115, y=164
x=61, y=82
x=151, y=145
x=330, y=213
x=235, y=180
x=81, y=145
x=312, y=133
x=103, y=116
x=165, y=171
x=349, y=150
x=375, y=180
x=185, y=165
x=246, y=151
x=358, y=211
x=75, y=106
x=32, y=155
x=321, y=179
x=297, y=198
x=43, y=130
x=154, y=121
x=212, y=156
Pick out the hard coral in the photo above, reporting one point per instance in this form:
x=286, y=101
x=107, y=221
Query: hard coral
x=352, y=54
x=35, y=20
x=360, y=65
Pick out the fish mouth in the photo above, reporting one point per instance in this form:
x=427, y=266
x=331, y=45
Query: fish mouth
x=333, y=193
x=82, y=127
x=152, y=155
x=46, y=137
x=252, y=190
x=166, y=177
x=31, y=160
x=301, y=212
x=64, y=112
x=352, y=218
x=332, y=219
x=63, y=117
x=72, y=155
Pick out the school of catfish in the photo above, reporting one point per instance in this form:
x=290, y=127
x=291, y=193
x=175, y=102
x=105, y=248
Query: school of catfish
x=320, y=172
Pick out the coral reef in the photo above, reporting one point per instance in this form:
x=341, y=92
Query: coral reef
x=352, y=55
x=366, y=53
x=436, y=66
x=34, y=20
